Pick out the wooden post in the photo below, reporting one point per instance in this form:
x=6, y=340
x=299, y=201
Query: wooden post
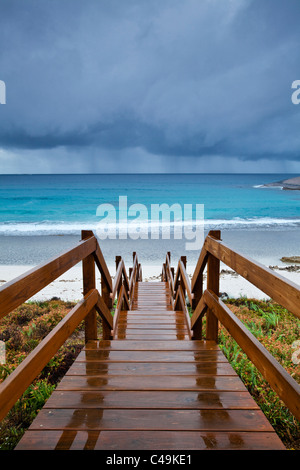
x=183, y=259
x=89, y=282
x=213, y=282
x=133, y=258
x=105, y=293
x=118, y=260
x=163, y=273
x=198, y=291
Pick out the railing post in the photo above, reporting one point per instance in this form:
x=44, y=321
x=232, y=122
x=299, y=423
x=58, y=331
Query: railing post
x=163, y=273
x=118, y=260
x=183, y=259
x=89, y=282
x=213, y=283
x=133, y=258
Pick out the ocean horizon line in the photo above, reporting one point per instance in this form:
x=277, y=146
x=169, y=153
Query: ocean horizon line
x=150, y=173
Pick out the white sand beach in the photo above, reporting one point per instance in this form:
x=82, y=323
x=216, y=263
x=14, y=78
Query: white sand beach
x=20, y=254
x=68, y=287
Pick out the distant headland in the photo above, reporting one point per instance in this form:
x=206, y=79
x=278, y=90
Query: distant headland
x=289, y=184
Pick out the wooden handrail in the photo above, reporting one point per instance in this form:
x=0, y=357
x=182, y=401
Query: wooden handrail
x=285, y=386
x=283, y=291
x=106, y=317
x=120, y=279
x=99, y=260
x=117, y=280
x=102, y=266
x=135, y=275
x=196, y=320
x=170, y=275
x=180, y=304
x=19, y=380
x=178, y=284
x=125, y=278
x=200, y=266
x=122, y=299
x=280, y=289
x=17, y=291
x=182, y=274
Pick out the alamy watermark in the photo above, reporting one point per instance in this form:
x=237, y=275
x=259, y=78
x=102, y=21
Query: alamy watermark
x=296, y=353
x=2, y=92
x=296, y=94
x=160, y=221
x=2, y=353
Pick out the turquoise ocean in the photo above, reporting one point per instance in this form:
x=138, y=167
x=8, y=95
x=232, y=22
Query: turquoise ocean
x=41, y=215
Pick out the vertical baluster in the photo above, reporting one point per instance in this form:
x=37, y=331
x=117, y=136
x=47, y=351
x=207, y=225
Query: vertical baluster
x=89, y=282
x=213, y=284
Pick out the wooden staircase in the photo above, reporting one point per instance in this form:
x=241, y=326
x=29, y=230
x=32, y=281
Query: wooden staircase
x=151, y=387
x=152, y=381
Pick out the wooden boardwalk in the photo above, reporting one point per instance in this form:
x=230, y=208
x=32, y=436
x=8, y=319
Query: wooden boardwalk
x=151, y=387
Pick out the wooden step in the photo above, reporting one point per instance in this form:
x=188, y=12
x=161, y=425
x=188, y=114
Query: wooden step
x=64, y=439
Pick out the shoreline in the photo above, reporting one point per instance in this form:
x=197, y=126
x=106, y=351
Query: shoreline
x=68, y=287
x=268, y=247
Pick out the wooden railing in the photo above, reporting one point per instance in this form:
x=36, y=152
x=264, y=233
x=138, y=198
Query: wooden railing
x=179, y=286
x=207, y=302
x=125, y=287
x=17, y=291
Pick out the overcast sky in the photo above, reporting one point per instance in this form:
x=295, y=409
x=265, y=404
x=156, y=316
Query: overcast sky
x=149, y=86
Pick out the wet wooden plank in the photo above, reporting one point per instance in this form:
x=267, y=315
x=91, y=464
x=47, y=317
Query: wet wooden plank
x=121, y=382
x=132, y=345
x=151, y=356
x=148, y=440
x=177, y=420
x=152, y=321
x=137, y=327
x=148, y=336
x=151, y=368
x=150, y=400
x=167, y=314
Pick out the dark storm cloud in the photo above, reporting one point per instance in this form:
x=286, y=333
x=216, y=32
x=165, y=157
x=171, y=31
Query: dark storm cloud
x=171, y=77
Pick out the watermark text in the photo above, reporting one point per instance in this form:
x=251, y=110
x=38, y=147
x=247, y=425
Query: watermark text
x=296, y=94
x=2, y=353
x=2, y=92
x=160, y=221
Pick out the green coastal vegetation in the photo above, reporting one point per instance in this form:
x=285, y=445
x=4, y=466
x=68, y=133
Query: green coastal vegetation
x=272, y=325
